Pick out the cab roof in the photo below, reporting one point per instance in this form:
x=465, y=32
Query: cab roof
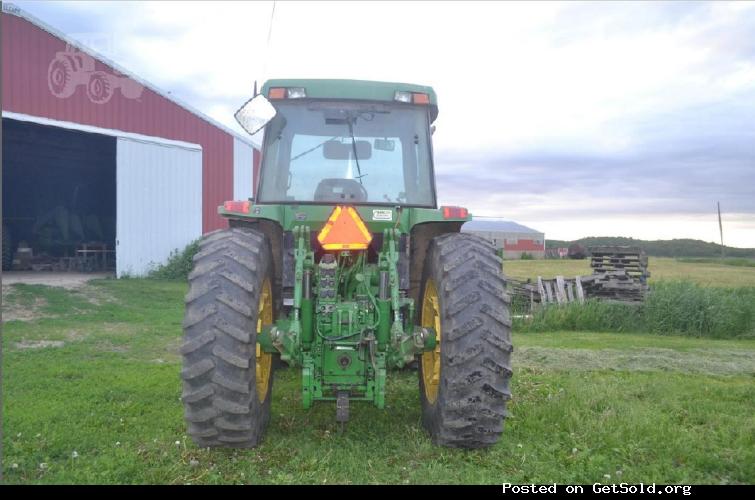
x=354, y=89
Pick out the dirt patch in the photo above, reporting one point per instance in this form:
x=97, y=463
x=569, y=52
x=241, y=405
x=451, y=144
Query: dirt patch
x=708, y=361
x=21, y=312
x=75, y=335
x=39, y=344
x=118, y=329
x=107, y=346
x=69, y=281
x=14, y=308
x=77, y=283
x=95, y=295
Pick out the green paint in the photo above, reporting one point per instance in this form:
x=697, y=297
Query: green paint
x=344, y=329
x=355, y=335
x=361, y=90
x=313, y=217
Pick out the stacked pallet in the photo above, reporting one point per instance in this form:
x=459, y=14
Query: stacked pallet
x=619, y=275
x=631, y=260
x=517, y=288
x=559, y=290
x=613, y=286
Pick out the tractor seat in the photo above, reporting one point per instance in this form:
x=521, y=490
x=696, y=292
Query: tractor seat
x=340, y=191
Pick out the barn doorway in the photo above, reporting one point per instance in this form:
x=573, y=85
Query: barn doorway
x=59, y=198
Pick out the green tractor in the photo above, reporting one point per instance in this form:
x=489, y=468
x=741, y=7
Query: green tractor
x=344, y=267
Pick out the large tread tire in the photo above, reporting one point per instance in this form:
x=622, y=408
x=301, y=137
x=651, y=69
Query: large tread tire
x=222, y=408
x=475, y=354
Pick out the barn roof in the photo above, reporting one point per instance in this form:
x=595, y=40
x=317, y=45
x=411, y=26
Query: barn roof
x=12, y=9
x=504, y=226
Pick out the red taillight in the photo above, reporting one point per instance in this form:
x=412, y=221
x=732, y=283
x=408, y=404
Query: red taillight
x=420, y=98
x=455, y=212
x=237, y=206
x=277, y=93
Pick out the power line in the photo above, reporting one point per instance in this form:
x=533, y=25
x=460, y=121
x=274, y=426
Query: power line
x=267, y=46
x=270, y=28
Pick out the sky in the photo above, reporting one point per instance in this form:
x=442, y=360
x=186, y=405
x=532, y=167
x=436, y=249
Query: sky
x=576, y=119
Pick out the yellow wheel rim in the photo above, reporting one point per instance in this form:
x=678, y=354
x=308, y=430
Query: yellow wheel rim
x=431, y=359
x=264, y=363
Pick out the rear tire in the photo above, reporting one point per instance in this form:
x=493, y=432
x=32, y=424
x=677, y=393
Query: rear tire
x=229, y=290
x=464, y=387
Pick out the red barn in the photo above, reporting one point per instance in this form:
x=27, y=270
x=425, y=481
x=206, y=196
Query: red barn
x=95, y=157
x=511, y=239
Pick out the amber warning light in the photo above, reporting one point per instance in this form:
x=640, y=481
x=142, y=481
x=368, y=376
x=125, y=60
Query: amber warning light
x=344, y=230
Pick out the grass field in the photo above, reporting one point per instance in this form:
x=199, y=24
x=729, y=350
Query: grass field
x=706, y=272
x=91, y=394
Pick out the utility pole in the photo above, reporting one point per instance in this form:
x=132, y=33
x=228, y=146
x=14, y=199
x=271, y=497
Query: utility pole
x=721, y=229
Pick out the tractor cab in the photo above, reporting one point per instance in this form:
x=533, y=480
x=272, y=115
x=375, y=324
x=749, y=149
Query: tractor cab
x=371, y=147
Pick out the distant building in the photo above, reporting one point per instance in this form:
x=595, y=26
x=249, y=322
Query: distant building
x=512, y=239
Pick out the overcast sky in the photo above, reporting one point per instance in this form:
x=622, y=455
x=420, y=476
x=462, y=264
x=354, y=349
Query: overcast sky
x=577, y=119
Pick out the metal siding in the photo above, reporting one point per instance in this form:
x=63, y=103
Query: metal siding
x=525, y=245
x=523, y=241
x=158, y=203
x=27, y=51
x=243, y=164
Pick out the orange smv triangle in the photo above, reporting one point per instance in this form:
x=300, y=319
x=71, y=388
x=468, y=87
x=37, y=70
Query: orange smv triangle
x=344, y=230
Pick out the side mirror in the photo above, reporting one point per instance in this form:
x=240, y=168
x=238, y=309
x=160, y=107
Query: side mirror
x=255, y=114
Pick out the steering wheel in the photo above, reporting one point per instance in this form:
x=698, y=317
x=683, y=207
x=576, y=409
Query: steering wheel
x=340, y=190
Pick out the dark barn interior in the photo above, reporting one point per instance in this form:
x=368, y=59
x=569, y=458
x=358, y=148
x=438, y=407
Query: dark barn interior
x=59, y=198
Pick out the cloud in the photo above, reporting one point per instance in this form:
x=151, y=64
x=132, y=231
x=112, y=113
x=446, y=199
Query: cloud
x=664, y=184
x=679, y=163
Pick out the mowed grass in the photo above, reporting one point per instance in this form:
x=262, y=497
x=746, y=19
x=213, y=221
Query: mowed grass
x=708, y=273
x=587, y=407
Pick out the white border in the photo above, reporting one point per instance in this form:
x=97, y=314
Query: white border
x=14, y=10
x=102, y=131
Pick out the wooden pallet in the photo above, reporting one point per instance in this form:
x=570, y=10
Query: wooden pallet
x=559, y=290
x=632, y=260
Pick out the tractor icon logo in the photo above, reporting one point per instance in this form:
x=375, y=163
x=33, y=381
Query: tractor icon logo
x=72, y=68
